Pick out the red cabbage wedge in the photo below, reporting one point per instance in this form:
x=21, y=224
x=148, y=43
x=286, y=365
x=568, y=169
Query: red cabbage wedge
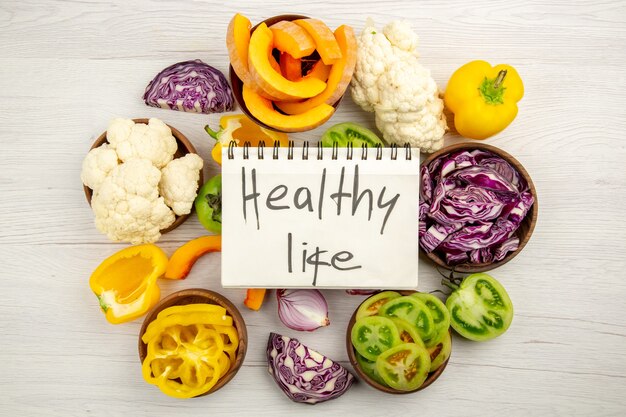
x=471, y=205
x=304, y=375
x=190, y=86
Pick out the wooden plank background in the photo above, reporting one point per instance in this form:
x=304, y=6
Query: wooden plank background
x=68, y=67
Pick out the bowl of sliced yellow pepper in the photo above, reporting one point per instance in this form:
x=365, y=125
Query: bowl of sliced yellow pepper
x=192, y=343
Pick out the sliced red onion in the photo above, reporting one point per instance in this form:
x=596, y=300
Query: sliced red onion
x=303, y=374
x=303, y=310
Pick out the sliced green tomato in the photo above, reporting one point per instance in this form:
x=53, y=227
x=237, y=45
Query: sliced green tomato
x=412, y=310
x=369, y=369
x=343, y=133
x=441, y=316
x=408, y=332
x=480, y=308
x=371, y=306
x=440, y=352
x=373, y=335
x=404, y=367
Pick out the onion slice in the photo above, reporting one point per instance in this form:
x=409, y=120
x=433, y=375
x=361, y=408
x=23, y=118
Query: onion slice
x=303, y=310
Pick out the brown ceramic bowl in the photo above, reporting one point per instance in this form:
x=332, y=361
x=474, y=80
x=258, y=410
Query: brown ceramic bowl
x=184, y=147
x=237, y=84
x=432, y=377
x=525, y=229
x=202, y=296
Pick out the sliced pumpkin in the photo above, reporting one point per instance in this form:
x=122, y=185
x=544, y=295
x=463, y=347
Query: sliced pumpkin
x=320, y=71
x=290, y=67
x=262, y=109
x=274, y=63
x=325, y=42
x=271, y=81
x=338, y=78
x=237, y=42
x=292, y=39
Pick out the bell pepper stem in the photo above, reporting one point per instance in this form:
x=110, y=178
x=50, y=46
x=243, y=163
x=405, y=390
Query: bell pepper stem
x=211, y=132
x=499, y=79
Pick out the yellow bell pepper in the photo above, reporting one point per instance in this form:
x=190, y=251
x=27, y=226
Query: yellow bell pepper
x=239, y=128
x=483, y=98
x=125, y=282
x=188, y=349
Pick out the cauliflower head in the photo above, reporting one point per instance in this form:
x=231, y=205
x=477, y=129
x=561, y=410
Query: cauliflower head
x=153, y=141
x=179, y=182
x=97, y=165
x=127, y=205
x=390, y=81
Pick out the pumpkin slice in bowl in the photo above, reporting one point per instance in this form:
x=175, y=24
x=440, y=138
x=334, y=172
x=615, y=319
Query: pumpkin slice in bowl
x=338, y=78
x=262, y=109
x=271, y=81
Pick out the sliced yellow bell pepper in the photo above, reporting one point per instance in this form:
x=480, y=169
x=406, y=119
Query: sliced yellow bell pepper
x=189, y=348
x=126, y=282
x=240, y=128
x=483, y=98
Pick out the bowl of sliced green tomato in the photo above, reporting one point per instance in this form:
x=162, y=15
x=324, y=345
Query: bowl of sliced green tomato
x=399, y=341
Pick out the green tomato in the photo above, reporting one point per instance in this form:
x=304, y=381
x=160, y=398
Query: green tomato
x=343, y=133
x=404, y=367
x=480, y=308
x=441, y=316
x=412, y=310
x=373, y=335
x=371, y=306
x=369, y=369
x=208, y=204
x=440, y=351
x=408, y=332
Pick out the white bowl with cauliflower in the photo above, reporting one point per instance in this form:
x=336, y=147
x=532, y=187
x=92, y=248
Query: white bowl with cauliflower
x=141, y=177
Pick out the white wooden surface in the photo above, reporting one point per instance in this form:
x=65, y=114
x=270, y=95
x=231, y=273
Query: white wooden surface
x=67, y=67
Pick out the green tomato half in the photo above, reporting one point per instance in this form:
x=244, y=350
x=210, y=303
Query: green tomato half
x=480, y=308
x=343, y=133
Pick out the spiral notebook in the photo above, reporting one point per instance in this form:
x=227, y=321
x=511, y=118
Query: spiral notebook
x=305, y=217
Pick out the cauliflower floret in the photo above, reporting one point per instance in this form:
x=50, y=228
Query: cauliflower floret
x=179, y=182
x=98, y=163
x=389, y=81
x=400, y=34
x=127, y=205
x=153, y=141
x=119, y=131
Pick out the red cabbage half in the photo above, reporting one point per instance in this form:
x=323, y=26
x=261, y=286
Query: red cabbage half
x=471, y=205
x=190, y=86
x=304, y=375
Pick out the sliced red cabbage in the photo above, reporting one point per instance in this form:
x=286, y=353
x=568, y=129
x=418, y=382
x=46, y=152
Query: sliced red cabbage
x=304, y=375
x=190, y=86
x=471, y=205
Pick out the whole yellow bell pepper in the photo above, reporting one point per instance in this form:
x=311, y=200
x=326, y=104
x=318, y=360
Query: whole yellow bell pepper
x=240, y=128
x=483, y=98
x=125, y=282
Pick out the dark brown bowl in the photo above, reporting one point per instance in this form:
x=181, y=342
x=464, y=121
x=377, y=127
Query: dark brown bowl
x=432, y=377
x=237, y=84
x=184, y=147
x=525, y=229
x=201, y=296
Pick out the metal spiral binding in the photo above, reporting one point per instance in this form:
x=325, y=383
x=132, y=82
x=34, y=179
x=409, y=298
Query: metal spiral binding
x=320, y=152
x=290, y=146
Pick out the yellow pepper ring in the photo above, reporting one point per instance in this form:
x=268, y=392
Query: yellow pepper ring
x=157, y=326
x=192, y=308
